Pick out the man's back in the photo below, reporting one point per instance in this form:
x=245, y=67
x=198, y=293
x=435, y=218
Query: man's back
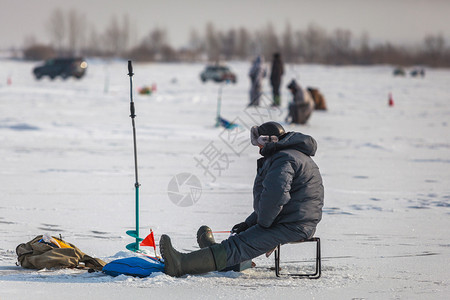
x=288, y=186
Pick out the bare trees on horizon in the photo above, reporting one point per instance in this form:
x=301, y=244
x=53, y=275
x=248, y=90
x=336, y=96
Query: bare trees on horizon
x=71, y=34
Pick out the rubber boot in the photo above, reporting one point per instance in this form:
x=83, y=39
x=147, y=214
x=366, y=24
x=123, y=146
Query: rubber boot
x=205, y=237
x=198, y=262
x=276, y=101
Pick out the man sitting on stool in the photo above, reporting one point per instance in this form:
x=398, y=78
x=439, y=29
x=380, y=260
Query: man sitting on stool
x=287, y=201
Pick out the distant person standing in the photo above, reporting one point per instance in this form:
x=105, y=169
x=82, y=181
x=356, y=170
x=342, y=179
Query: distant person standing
x=257, y=73
x=275, y=78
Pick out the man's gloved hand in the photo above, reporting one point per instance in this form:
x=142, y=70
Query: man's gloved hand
x=239, y=228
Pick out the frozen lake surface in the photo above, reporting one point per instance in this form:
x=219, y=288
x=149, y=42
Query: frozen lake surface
x=66, y=167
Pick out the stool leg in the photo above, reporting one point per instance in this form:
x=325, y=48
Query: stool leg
x=277, y=261
x=318, y=259
x=318, y=272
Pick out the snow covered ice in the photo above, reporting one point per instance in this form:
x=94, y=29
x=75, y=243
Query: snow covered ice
x=66, y=167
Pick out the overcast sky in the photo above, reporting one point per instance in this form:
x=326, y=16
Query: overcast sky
x=396, y=21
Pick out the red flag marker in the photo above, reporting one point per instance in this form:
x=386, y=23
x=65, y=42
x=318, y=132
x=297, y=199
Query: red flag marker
x=149, y=241
x=391, y=100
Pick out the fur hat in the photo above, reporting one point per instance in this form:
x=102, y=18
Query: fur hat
x=269, y=132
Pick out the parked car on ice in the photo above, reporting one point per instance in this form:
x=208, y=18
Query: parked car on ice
x=218, y=73
x=64, y=67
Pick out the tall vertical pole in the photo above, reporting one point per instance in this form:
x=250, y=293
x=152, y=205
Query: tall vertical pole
x=219, y=105
x=135, y=233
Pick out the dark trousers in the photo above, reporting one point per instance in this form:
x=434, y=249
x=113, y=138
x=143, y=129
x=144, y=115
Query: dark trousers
x=276, y=94
x=257, y=240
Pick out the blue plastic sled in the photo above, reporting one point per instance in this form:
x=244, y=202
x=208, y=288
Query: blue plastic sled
x=133, y=266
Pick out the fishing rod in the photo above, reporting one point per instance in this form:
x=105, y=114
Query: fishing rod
x=134, y=233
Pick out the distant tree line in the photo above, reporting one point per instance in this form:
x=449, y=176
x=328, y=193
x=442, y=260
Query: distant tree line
x=69, y=36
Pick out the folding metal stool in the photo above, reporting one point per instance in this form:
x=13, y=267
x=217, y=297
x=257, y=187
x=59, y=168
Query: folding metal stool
x=314, y=275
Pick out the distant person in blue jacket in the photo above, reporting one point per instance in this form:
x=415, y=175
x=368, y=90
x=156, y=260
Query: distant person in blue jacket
x=257, y=73
x=288, y=198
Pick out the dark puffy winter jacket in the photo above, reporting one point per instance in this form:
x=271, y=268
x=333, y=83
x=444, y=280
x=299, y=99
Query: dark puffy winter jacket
x=276, y=72
x=288, y=185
